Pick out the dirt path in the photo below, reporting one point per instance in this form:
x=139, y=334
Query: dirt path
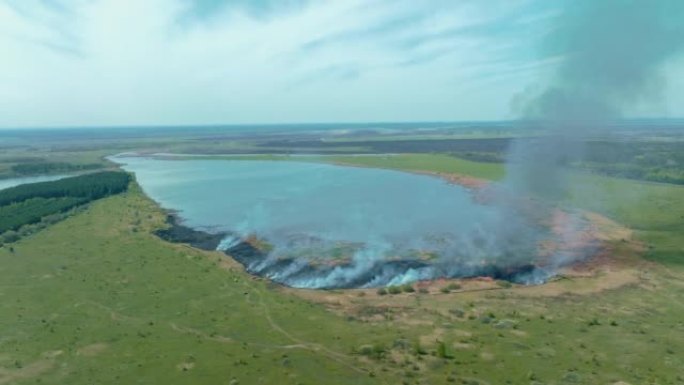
x=318, y=348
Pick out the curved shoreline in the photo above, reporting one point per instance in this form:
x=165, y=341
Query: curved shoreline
x=179, y=233
x=257, y=260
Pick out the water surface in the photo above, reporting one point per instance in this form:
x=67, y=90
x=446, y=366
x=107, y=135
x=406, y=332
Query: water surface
x=11, y=182
x=327, y=225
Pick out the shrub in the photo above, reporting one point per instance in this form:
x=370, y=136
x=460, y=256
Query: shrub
x=454, y=286
x=442, y=350
x=382, y=291
x=10, y=237
x=378, y=351
x=366, y=350
x=408, y=288
x=394, y=289
x=417, y=349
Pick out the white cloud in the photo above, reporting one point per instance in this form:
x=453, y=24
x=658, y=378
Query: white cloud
x=118, y=62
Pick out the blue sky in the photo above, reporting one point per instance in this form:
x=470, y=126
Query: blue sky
x=155, y=62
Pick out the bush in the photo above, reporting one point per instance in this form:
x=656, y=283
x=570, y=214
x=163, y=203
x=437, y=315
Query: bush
x=442, y=350
x=408, y=288
x=394, y=289
x=450, y=287
x=376, y=351
x=382, y=291
x=594, y=322
x=366, y=350
x=418, y=349
x=9, y=237
x=454, y=286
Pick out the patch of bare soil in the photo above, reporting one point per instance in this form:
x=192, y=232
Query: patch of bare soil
x=24, y=372
x=92, y=350
x=185, y=366
x=463, y=180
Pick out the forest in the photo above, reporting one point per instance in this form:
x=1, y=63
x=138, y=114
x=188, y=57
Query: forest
x=30, y=203
x=39, y=168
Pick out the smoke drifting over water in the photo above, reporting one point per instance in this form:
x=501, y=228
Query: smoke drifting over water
x=381, y=263
x=612, y=52
x=323, y=226
x=316, y=229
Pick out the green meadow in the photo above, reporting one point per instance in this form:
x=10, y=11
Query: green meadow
x=98, y=299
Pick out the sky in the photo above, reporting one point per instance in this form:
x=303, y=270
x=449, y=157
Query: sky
x=184, y=62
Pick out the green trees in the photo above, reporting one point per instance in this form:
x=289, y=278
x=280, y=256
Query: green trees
x=38, y=168
x=15, y=215
x=89, y=186
x=30, y=203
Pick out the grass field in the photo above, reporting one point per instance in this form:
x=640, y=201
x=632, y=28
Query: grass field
x=425, y=162
x=98, y=299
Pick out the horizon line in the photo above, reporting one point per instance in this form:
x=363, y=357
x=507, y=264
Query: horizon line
x=294, y=124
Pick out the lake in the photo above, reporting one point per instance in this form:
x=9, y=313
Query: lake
x=11, y=182
x=331, y=226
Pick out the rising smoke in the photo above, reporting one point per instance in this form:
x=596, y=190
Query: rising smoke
x=612, y=52
x=611, y=55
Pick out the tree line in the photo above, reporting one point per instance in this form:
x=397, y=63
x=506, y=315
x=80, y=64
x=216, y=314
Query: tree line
x=36, y=168
x=30, y=203
x=89, y=186
x=16, y=215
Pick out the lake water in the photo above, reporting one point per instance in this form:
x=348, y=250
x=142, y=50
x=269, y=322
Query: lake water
x=7, y=183
x=364, y=226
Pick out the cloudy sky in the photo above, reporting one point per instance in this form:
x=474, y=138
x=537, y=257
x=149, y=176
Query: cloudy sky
x=155, y=62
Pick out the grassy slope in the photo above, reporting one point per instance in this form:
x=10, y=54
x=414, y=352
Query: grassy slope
x=93, y=281
x=97, y=299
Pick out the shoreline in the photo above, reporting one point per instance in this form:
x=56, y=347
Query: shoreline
x=179, y=233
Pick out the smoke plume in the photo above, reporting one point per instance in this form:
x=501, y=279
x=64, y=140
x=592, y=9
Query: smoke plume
x=611, y=54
